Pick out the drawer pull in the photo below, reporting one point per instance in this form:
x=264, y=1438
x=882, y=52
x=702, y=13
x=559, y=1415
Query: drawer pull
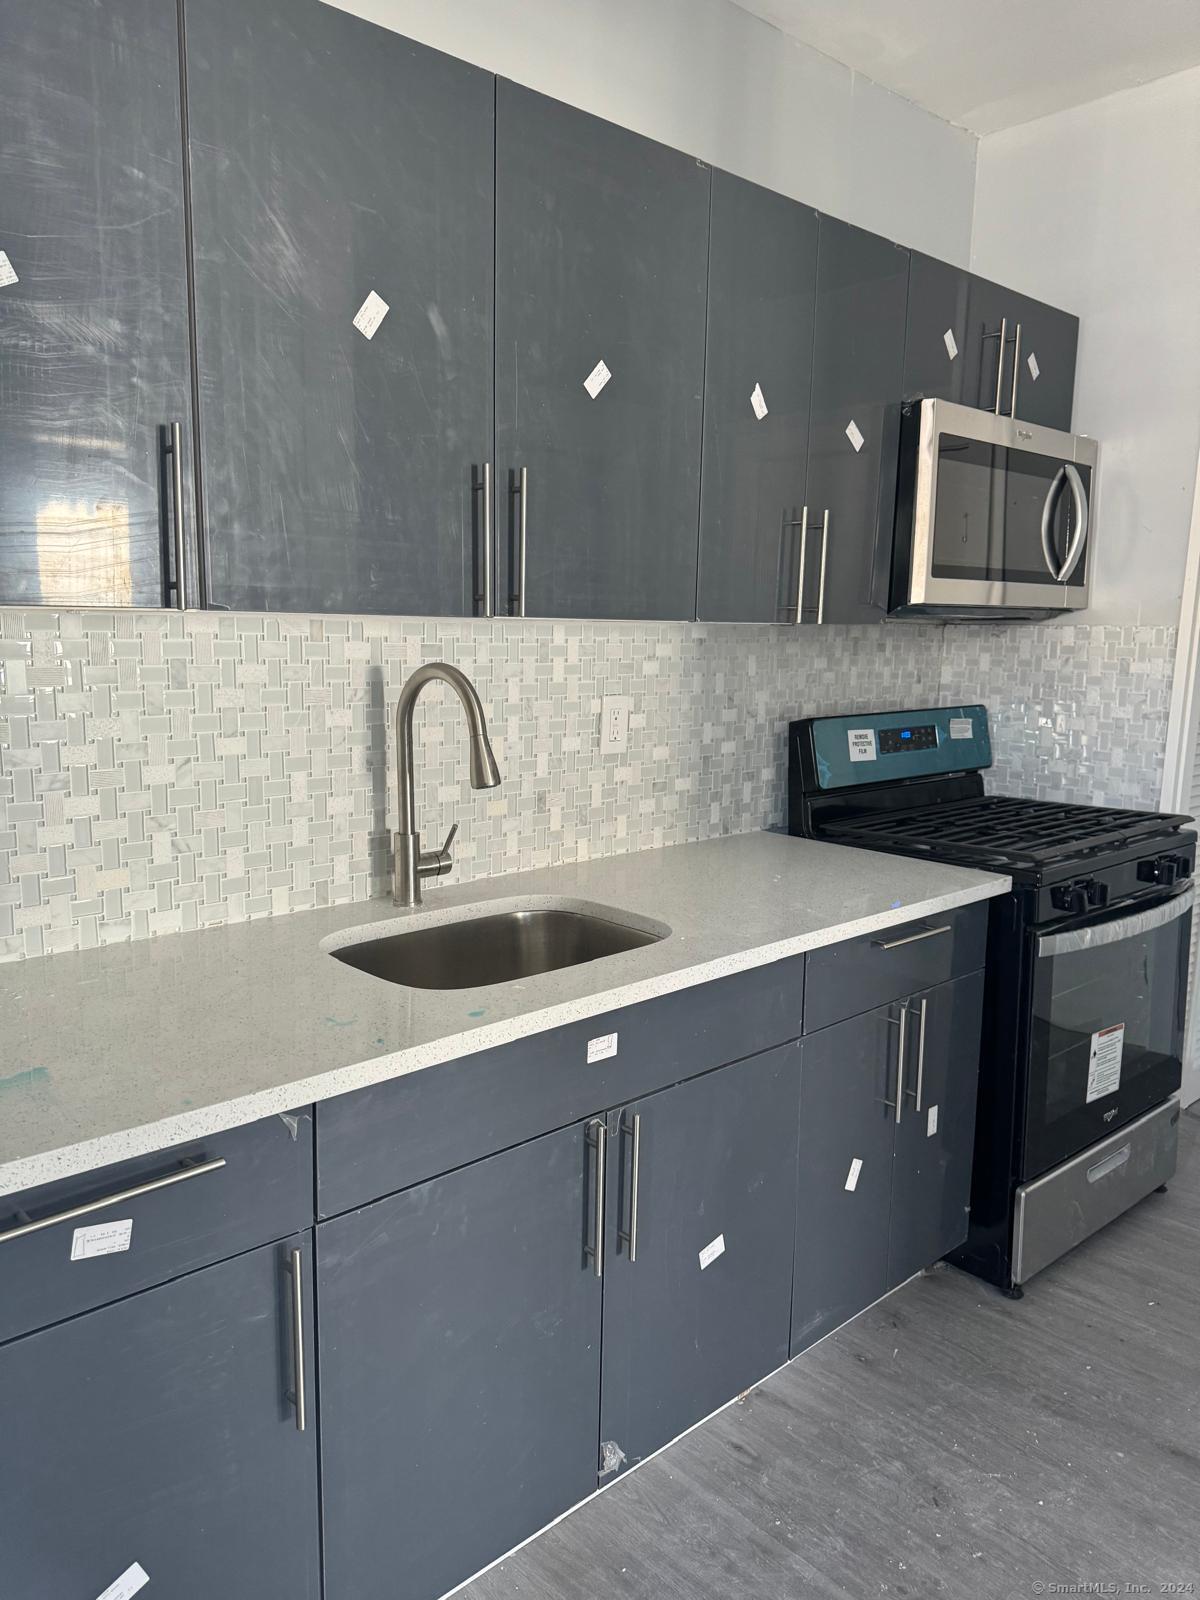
x=628, y=1236
x=119, y=1199
x=597, y=1139
x=1109, y=1164
x=296, y=1396
x=910, y=938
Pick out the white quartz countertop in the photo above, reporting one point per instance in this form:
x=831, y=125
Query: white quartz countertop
x=113, y=1053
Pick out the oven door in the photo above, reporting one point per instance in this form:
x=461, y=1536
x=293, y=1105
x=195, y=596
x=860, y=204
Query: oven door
x=1106, y=1036
x=1003, y=513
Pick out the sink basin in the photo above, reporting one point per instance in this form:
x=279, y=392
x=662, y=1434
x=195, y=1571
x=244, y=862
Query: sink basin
x=499, y=948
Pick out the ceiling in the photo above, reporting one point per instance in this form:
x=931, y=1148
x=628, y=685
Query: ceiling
x=990, y=64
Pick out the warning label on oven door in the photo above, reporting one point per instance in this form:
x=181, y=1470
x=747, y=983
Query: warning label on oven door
x=1104, y=1063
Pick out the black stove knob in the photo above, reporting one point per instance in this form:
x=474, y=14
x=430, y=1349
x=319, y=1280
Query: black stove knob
x=1161, y=869
x=1097, y=892
x=1069, y=897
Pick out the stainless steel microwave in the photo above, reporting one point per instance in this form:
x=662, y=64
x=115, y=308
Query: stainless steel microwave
x=995, y=517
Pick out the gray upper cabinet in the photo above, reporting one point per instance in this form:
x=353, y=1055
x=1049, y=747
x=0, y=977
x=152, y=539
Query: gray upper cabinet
x=94, y=331
x=601, y=253
x=157, y=1434
x=333, y=160
x=757, y=378
x=858, y=359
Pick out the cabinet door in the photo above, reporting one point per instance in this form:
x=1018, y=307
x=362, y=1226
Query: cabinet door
x=601, y=255
x=936, y=357
x=847, y=1121
x=94, y=327
x=158, y=1431
x=333, y=161
x=757, y=378
x=935, y=1138
x=460, y=1369
x=858, y=362
x=696, y=1308
x=1045, y=371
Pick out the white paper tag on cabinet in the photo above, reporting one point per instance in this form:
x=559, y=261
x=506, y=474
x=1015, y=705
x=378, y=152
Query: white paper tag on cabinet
x=711, y=1251
x=596, y=379
x=950, y=342
x=855, y=435
x=861, y=743
x=931, y=1122
x=1034, y=370
x=852, y=1175
x=757, y=402
x=602, y=1047
x=370, y=314
x=129, y=1583
x=960, y=728
x=8, y=273
x=101, y=1239
x=1104, y=1061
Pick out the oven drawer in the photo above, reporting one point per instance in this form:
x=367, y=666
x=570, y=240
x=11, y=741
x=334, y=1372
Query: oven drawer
x=69, y=1246
x=844, y=980
x=1056, y=1212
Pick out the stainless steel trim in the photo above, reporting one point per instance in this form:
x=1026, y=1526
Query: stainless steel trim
x=824, y=554
x=921, y=1053
x=1000, y=363
x=516, y=598
x=1105, y=933
x=118, y=1199
x=296, y=1396
x=628, y=1236
x=1101, y=1169
x=911, y=938
x=484, y=598
x=597, y=1138
x=1075, y=548
x=1012, y=402
x=175, y=451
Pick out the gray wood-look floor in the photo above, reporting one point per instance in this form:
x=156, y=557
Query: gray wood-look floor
x=947, y=1442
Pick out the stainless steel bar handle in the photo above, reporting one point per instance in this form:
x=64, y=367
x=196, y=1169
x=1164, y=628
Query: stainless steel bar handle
x=802, y=524
x=597, y=1139
x=921, y=1051
x=516, y=599
x=297, y=1396
x=910, y=938
x=1048, y=505
x=175, y=451
x=901, y=1022
x=118, y=1199
x=1000, y=362
x=1075, y=548
x=628, y=1236
x=824, y=554
x=1012, y=401
x=484, y=598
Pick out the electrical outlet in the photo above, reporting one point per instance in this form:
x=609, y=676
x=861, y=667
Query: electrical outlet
x=614, y=724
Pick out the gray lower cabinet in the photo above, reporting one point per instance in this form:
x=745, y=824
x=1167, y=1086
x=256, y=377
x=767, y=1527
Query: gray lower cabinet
x=601, y=252
x=94, y=325
x=698, y=1250
x=158, y=1434
x=332, y=161
x=460, y=1368
x=762, y=270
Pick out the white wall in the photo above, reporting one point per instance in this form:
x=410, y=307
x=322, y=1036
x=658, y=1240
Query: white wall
x=708, y=78
x=1098, y=209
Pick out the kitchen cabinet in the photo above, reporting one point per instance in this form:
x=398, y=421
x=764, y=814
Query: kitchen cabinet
x=333, y=161
x=601, y=253
x=698, y=1250
x=757, y=377
x=857, y=370
x=460, y=1368
x=887, y=1130
x=94, y=324
x=968, y=367
x=157, y=1433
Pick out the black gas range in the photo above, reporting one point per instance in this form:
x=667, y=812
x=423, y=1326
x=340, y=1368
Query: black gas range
x=1086, y=968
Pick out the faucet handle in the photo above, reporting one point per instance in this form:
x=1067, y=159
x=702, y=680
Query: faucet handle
x=445, y=850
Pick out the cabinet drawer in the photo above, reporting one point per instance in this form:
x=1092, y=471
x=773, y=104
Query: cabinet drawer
x=141, y=1222
x=847, y=979
x=379, y=1140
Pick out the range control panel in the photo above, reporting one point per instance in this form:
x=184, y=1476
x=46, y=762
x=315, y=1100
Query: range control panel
x=885, y=746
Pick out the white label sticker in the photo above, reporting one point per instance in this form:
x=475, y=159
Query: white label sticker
x=1104, y=1062
x=852, y=1175
x=711, y=1251
x=950, y=342
x=601, y=1048
x=1034, y=369
x=931, y=1122
x=131, y=1580
x=757, y=402
x=370, y=314
x=8, y=273
x=596, y=379
x=101, y=1239
x=861, y=743
x=960, y=728
x=854, y=434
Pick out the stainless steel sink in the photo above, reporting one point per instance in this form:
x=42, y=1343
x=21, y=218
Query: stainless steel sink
x=493, y=949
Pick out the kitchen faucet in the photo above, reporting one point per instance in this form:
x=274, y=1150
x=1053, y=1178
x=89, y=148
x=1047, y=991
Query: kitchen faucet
x=410, y=862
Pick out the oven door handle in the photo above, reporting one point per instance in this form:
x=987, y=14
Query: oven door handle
x=1130, y=927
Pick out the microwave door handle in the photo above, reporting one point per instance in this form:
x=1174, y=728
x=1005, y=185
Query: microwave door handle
x=1048, y=505
x=1075, y=548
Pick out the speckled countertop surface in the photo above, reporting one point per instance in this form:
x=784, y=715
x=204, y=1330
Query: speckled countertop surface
x=112, y=1053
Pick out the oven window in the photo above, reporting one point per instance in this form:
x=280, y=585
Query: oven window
x=1107, y=1037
